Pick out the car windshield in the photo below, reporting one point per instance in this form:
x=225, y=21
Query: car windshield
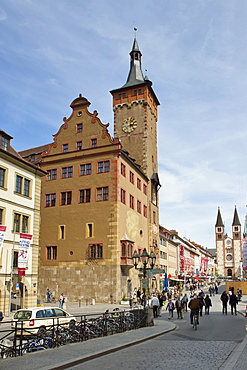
x=23, y=315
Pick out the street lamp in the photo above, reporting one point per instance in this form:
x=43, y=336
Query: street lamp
x=146, y=258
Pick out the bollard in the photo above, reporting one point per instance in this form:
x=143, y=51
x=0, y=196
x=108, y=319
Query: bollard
x=86, y=301
x=79, y=303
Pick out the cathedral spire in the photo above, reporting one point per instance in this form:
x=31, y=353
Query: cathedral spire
x=219, y=222
x=135, y=76
x=236, y=221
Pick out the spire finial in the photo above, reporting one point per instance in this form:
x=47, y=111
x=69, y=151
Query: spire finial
x=135, y=29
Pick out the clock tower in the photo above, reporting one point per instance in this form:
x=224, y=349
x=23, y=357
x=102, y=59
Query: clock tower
x=135, y=107
x=135, y=115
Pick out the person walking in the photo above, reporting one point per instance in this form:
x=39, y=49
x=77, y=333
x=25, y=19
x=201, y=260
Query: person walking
x=201, y=299
x=179, y=307
x=185, y=302
x=160, y=298
x=233, y=302
x=48, y=295
x=155, y=305
x=170, y=307
x=61, y=300
x=224, y=300
x=208, y=304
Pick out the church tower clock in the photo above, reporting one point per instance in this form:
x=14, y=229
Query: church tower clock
x=135, y=107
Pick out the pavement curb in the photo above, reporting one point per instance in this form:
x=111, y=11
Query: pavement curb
x=80, y=360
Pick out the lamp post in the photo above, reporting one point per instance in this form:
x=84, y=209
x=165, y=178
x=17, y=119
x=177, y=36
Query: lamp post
x=146, y=259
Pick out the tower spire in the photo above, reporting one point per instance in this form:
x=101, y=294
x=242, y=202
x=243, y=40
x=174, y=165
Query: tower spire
x=135, y=76
x=219, y=222
x=236, y=221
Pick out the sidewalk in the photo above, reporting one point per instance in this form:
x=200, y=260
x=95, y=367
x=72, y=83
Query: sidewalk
x=77, y=353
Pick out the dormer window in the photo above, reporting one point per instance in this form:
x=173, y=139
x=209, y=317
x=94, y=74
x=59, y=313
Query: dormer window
x=4, y=143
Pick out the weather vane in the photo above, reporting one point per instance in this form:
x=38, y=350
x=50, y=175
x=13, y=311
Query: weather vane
x=135, y=28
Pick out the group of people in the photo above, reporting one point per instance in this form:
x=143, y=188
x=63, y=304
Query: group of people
x=49, y=296
x=232, y=298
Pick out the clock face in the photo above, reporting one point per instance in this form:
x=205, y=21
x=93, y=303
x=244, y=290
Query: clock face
x=129, y=124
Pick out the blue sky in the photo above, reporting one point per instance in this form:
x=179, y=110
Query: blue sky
x=195, y=53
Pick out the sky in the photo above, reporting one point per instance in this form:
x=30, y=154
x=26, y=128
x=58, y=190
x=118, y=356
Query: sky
x=195, y=54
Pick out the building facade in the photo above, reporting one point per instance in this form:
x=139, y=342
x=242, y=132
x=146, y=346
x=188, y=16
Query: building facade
x=20, y=189
x=229, y=249
x=99, y=200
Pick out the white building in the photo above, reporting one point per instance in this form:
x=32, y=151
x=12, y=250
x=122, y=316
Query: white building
x=20, y=183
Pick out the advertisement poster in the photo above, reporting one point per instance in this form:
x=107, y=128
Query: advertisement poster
x=2, y=234
x=244, y=250
x=24, y=245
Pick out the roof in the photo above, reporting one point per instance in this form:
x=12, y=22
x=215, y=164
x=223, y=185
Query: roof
x=235, y=218
x=219, y=221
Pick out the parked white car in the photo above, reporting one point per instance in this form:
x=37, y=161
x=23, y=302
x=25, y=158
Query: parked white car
x=37, y=320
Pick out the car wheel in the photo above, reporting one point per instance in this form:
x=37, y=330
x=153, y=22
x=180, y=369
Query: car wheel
x=41, y=331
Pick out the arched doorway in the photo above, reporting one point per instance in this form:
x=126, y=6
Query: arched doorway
x=229, y=272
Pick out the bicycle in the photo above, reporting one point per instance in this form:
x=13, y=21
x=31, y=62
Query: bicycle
x=195, y=321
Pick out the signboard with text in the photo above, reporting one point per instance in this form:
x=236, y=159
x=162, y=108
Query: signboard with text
x=24, y=246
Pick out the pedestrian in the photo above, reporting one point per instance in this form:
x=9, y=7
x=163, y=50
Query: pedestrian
x=179, y=307
x=138, y=293
x=194, y=305
x=61, y=300
x=224, y=300
x=201, y=299
x=48, y=295
x=208, y=304
x=160, y=298
x=155, y=305
x=233, y=302
x=185, y=301
x=170, y=307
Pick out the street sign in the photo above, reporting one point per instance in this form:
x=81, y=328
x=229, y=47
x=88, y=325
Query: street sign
x=156, y=271
x=17, y=286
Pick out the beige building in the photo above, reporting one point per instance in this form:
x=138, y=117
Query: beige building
x=20, y=189
x=100, y=196
x=229, y=249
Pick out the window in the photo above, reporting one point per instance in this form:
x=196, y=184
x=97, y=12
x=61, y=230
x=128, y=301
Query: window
x=102, y=194
x=1, y=216
x=95, y=251
x=61, y=232
x=32, y=158
x=51, y=253
x=79, y=145
x=4, y=143
x=79, y=127
x=93, y=143
x=66, y=198
x=65, y=148
x=50, y=200
x=138, y=183
x=123, y=95
x=85, y=169
x=132, y=202
x=145, y=211
x=85, y=196
x=130, y=250
x=123, y=170
x=219, y=229
x=18, y=184
x=22, y=186
x=236, y=235
x=20, y=223
x=154, y=217
x=123, y=196
x=145, y=189
x=67, y=172
x=123, y=245
x=103, y=166
x=52, y=174
x=2, y=177
x=139, y=207
x=24, y=228
x=131, y=177
x=15, y=259
x=235, y=228
x=89, y=230
x=26, y=189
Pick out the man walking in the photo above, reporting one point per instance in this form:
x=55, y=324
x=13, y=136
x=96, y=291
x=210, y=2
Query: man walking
x=155, y=305
x=233, y=302
x=224, y=300
x=179, y=307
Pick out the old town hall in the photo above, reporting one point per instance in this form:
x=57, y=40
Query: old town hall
x=99, y=200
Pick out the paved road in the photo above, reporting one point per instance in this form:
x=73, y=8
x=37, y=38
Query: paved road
x=207, y=348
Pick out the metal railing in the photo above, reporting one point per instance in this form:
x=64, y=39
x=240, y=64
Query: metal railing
x=20, y=340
